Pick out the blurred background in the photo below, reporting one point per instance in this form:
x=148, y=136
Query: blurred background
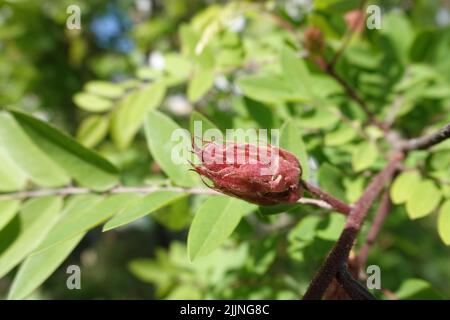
x=43, y=65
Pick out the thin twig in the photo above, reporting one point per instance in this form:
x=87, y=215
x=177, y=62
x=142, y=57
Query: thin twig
x=67, y=191
x=428, y=141
x=119, y=189
x=353, y=95
x=348, y=36
x=335, y=203
x=377, y=223
x=329, y=68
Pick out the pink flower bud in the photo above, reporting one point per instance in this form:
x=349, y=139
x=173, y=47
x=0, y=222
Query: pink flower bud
x=313, y=40
x=355, y=20
x=264, y=175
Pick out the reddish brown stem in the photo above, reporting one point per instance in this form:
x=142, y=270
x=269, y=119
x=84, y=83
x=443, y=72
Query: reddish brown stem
x=335, y=203
x=341, y=250
x=352, y=287
x=377, y=223
x=428, y=141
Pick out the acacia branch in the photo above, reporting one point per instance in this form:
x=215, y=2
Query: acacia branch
x=341, y=250
x=428, y=141
x=352, y=287
x=377, y=223
x=335, y=203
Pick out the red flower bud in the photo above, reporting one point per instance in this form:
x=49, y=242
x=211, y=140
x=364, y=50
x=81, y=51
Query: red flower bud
x=264, y=175
x=313, y=40
x=355, y=20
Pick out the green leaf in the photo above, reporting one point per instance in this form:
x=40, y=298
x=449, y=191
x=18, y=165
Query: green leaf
x=177, y=216
x=91, y=102
x=177, y=68
x=38, y=267
x=305, y=230
x=440, y=160
x=291, y=140
x=105, y=89
x=93, y=130
x=188, y=39
x=354, y=188
x=331, y=180
x=162, y=133
x=423, y=200
x=398, y=29
x=213, y=223
x=424, y=45
x=268, y=88
x=417, y=289
x=296, y=73
x=142, y=207
x=85, y=215
x=437, y=91
x=148, y=73
x=335, y=6
x=342, y=135
x=336, y=222
x=149, y=271
x=363, y=57
x=262, y=114
x=201, y=81
x=24, y=233
x=8, y=209
x=38, y=166
x=276, y=209
x=364, y=156
x=129, y=116
x=444, y=222
x=205, y=123
x=302, y=235
x=185, y=292
x=12, y=178
x=85, y=166
x=319, y=119
x=404, y=185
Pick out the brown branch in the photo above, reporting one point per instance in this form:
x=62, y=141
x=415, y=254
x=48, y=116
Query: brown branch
x=335, y=203
x=352, y=287
x=330, y=267
x=341, y=250
x=377, y=223
x=428, y=141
